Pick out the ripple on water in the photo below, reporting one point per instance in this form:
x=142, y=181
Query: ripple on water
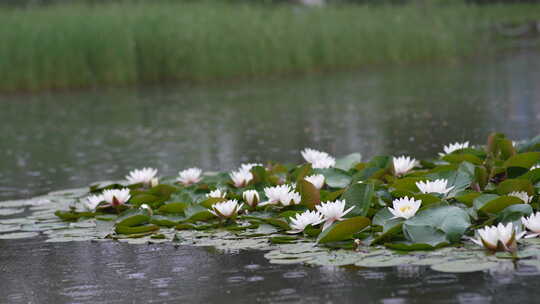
x=393, y=301
x=440, y=278
x=294, y=274
x=252, y=266
x=255, y=279
x=372, y=275
x=236, y=279
x=161, y=282
x=473, y=298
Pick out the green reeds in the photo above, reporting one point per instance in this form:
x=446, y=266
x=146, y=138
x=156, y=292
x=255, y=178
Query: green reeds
x=69, y=46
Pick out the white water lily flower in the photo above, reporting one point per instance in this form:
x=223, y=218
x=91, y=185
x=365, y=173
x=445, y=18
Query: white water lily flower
x=241, y=178
x=332, y=211
x=226, y=209
x=403, y=164
x=276, y=194
x=537, y=166
x=522, y=195
x=436, y=186
x=218, y=193
x=249, y=166
x=251, y=197
x=300, y=221
x=141, y=176
x=189, y=176
x=405, y=207
x=318, y=159
x=93, y=201
x=311, y=155
x=490, y=237
x=533, y=224
x=316, y=180
x=291, y=198
x=323, y=163
x=454, y=147
x=116, y=197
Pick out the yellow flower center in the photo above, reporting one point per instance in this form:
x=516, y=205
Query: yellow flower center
x=405, y=209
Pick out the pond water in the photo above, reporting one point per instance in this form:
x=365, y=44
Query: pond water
x=70, y=139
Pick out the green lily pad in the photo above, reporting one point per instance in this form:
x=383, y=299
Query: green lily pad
x=343, y=230
x=18, y=235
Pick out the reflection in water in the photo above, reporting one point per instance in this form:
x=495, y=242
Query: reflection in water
x=109, y=272
x=66, y=140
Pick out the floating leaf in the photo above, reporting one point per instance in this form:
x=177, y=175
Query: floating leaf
x=120, y=229
x=283, y=239
x=335, y=178
x=407, y=184
x=404, y=246
x=198, y=213
x=359, y=195
x=468, y=265
x=461, y=157
x=310, y=195
x=467, y=197
x=174, y=208
x=343, y=230
x=389, y=234
x=514, y=213
x=491, y=203
x=133, y=217
x=166, y=221
x=18, y=235
x=386, y=219
x=10, y=211
x=437, y=225
x=348, y=162
x=511, y=185
x=278, y=223
x=520, y=163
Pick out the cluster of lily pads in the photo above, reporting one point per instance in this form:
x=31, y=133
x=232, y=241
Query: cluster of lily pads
x=483, y=194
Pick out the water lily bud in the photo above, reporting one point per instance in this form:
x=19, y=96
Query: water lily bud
x=251, y=197
x=403, y=164
x=146, y=207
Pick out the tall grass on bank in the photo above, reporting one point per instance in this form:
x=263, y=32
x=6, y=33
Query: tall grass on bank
x=64, y=46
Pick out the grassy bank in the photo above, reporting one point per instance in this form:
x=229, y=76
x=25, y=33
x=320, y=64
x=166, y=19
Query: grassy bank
x=67, y=46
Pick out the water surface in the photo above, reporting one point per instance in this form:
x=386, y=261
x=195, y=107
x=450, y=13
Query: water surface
x=66, y=140
x=107, y=272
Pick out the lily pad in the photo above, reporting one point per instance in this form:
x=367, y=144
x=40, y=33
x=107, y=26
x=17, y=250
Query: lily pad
x=18, y=235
